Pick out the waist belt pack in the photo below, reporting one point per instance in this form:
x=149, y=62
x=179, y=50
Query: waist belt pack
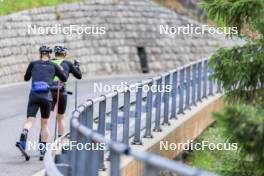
x=40, y=87
x=54, y=87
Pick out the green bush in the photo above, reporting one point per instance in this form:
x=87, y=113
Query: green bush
x=222, y=162
x=244, y=124
x=240, y=71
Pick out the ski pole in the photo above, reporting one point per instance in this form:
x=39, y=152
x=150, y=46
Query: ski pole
x=57, y=109
x=76, y=87
x=76, y=64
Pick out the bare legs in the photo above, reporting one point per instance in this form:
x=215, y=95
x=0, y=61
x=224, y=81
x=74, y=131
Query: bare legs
x=44, y=130
x=44, y=127
x=61, y=124
x=27, y=126
x=29, y=123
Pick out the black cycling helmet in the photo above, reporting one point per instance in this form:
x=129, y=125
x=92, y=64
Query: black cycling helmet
x=45, y=49
x=60, y=49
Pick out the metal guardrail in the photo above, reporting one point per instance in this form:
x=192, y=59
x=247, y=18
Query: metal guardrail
x=189, y=84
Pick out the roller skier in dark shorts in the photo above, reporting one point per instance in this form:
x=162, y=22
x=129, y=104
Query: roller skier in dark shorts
x=68, y=67
x=42, y=73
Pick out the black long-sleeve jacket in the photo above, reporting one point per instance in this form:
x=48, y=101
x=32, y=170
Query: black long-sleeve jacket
x=44, y=71
x=68, y=68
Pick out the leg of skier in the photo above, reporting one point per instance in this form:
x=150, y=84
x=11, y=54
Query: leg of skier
x=61, y=124
x=27, y=126
x=44, y=136
x=57, y=109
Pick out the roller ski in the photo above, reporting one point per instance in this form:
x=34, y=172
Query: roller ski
x=22, y=146
x=42, y=148
x=42, y=154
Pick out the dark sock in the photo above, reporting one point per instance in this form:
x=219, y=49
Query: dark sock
x=23, y=136
x=59, y=135
x=43, y=146
x=40, y=137
x=44, y=143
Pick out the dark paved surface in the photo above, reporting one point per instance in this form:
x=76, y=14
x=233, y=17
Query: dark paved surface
x=13, y=114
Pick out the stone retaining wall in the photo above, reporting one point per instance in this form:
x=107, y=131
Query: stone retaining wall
x=128, y=25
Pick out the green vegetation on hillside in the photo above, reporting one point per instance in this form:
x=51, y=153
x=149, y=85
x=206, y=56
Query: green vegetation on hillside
x=186, y=8
x=11, y=6
x=223, y=162
x=240, y=71
x=174, y=5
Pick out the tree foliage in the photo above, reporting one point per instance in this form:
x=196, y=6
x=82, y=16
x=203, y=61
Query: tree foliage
x=246, y=125
x=240, y=71
x=237, y=13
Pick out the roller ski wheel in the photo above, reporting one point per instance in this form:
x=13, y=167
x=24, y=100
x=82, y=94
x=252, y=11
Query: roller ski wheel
x=22, y=150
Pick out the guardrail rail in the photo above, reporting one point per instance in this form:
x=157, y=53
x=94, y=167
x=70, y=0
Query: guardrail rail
x=111, y=120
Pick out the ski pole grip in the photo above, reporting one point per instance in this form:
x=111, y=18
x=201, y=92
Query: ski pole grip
x=77, y=63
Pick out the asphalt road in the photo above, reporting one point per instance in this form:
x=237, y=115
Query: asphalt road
x=13, y=114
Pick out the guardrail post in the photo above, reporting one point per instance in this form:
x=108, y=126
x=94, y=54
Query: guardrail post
x=80, y=155
x=89, y=115
x=211, y=83
x=101, y=130
x=188, y=81
x=149, y=112
x=114, y=117
x=205, y=78
x=114, y=163
x=95, y=160
x=73, y=137
x=166, y=100
x=84, y=116
x=181, y=90
x=194, y=82
x=174, y=95
x=88, y=159
x=199, y=86
x=85, y=167
x=158, y=106
x=126, y=116
x=137, y=140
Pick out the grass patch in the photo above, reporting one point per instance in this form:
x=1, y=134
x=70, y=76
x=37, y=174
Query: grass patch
x=11, y=6
x=223, y=162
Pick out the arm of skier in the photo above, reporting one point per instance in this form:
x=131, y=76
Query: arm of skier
x=27, y=75
x=75, y=70
x=60, y=73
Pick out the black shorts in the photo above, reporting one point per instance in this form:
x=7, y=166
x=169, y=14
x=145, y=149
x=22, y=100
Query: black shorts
x=37, y=102
x=62, y=102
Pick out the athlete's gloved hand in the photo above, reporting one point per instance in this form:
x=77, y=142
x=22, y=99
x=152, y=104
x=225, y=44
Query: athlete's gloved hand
x=76, y=63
